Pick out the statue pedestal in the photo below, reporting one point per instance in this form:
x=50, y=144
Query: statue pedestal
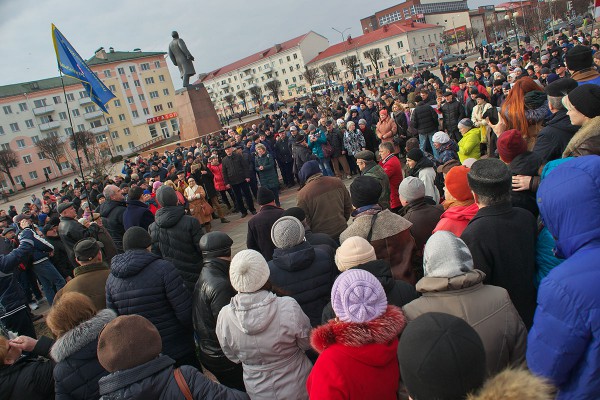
x=197, y=115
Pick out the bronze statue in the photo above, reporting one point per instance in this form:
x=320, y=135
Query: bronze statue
x=181, y=57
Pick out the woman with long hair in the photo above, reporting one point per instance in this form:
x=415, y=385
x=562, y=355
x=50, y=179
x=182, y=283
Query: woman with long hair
x=199, y=206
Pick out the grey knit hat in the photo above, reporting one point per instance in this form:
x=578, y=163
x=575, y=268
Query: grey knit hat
x=465, y=123
x=166, y=196
x=446, y=256
x=411, y=189
x=287, y=232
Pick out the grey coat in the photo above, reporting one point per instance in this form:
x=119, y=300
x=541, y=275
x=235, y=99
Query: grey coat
x=268, y=335
x=180, y=56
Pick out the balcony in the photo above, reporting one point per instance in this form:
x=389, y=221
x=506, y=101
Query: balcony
x=248, y=77
x=210, y=90
x=43, y=110
x=267, y=70
x=223, y=85
x=49, y=125
x=100, y=129
x=85, y=100
x=251, y=85
x=92, y=115
x=269, y=80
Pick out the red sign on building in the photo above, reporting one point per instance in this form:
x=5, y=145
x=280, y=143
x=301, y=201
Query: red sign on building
x=163, y=117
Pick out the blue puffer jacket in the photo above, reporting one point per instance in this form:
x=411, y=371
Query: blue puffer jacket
x=156, y=380
x=78, y=371
x=12, y=297
x=563, y=343
x=305, y=273
x=142, y=283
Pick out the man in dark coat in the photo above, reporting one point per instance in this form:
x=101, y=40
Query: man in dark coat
x=112, y=215
x=60, y=256
x=137, y=213
x=71, y=231
x=283, y=151
x=176, y=236
x=300, y=153
x=501, y=237
x=452, y=112
x=236, y=174
x=214, y=291
x=425, y=120
x=143, y=283
x=259, y=227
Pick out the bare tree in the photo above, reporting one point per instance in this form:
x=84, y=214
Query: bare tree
x=9, y=160
x=310, y=76
x=351, y=63
x=83, y=140
x=230, y=100
x=535, y=21
x=580, y=6
x=329, y=70
x=471, y=35
x=374, y=55
x=242, y=94
x=256, y=93
x=53, y=148
x=97, y=152
x=273, y=87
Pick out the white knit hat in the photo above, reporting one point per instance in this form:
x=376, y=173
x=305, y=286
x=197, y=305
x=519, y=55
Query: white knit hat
x=440, y=137
x=248, y=271
x=354, y=251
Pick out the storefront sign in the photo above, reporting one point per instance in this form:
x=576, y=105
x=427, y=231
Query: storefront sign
x=163, y=117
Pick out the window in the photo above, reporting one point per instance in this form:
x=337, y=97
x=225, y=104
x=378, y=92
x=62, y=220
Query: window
x=157, y=64
x=300, y=77
x=114, y=134
x=107, y=73
x=23, y=106
x=297, y=66
x=62, y=115
x=293, y=79
x=75, y=113
x=109, y=120
x=7, y=110
x=119, y=148
x=126, y=132
x=1, y=130
x=174, y=125
x=280, y=61
x=21, y=143
x=142, y=97
x=89, y=109
x=5, y=146
x=387, y=48
x=125, y=85
x=144, y=67
x=41, y=155
x=414, y=39
x=158, y=108
x=153, y=132
x=33, y=175
x=154, y=94
x=282, y=71
x=70, y=97
x=121, y=117
x=95, y=124
x=291, y=69
x=288, y=58
x=161, y=78
x=27, y=159
x=136, y=83
x=112, y=88
x=130, y=99
x=149, y=81
x=39, y=103
x=132, y=68
x=83, y=94
x=131, y=145
x=166, y=91
x=287, y=81
x=164, y=129
x=146, y=111
x=47, y=170
x=121, y=71
x=18, y=179
x=135, y=114
x=295, y=56
x=68, y=131
x=14, y=127
x=169, y=105
x=45, y=119
x=80, y=127
x=53, y=134
x=29, y=123
x=101, y=138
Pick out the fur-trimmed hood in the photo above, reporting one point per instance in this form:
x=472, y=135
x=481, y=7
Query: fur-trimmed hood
x=515, y=384
x=588, y=132
x=83, y=334
x=381, y=330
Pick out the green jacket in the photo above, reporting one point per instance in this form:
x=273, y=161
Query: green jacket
x=378, y=173
x=268, y=176
x=468, y=146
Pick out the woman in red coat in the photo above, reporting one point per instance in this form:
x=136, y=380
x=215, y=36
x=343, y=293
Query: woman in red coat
x=358, y=348
x=217, y=170
x=393, y=169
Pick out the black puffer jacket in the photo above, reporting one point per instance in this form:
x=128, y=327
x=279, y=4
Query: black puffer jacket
x=71, y=232
x=398, y=292
x=305, y=273
x=301, y=155
x=283, y=149
x=112, y=220
x=452, y=113
x=156, y=380
x=213, y=292
x=235, y=169
x=77, y=369
x=336, y=140
x=552, y=140
x=176, y=237
x=424, y=119
x=142, y=283
x=30, y=378
x=12, y=296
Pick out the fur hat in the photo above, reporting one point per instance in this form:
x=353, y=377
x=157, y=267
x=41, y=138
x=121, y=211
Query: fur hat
x=579, y=58
x=354, y=251
x=457, y=183
x=166, y=196
x=511, y=144
x=248, y=271
x=357, y=296
x=136, y=238
x=441, y=357
x=411, y=189
x=365, y=191
x=287, y=232
x=490, y=177
x=446, y=256
x=128, y=341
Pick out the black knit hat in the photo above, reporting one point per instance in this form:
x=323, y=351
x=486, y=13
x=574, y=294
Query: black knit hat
x=489, y=177
x=586, y=99
x=414, y=154
x=295, y=212
x=364, y=191
x=579, y=58
x=264, y=196
x=441, y=357
x=136, y=238
x=561, y=87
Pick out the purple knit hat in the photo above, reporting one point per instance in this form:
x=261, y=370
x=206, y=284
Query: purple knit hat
x=156, y=185
x=357, y=296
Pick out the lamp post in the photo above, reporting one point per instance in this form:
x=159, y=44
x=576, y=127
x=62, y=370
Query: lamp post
x=342, y=34
x=513, y=22
x=455, y=36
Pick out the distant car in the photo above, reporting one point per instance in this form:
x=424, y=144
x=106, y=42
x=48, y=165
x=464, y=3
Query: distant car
x=453, y=57
x=422, y=64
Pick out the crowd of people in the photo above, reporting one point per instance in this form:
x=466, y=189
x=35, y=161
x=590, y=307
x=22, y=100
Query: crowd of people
x=443, y=246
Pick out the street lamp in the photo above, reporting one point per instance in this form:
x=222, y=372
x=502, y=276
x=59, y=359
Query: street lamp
x=513, y=22
x=455, y=36
x=342, y=34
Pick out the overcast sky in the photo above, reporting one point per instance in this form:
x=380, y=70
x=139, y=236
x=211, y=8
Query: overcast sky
x=216, y=32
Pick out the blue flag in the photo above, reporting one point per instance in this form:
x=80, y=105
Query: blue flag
x=71, y=64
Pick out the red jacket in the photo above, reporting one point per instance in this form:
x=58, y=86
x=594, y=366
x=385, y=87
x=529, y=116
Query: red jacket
x=218, y=180
x=456, y=219
x=357, y=361
x=480, y=89
x=393, y=169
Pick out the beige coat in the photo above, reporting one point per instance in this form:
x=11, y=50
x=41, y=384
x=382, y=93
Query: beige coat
x=197, y=197
x=486, y=308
